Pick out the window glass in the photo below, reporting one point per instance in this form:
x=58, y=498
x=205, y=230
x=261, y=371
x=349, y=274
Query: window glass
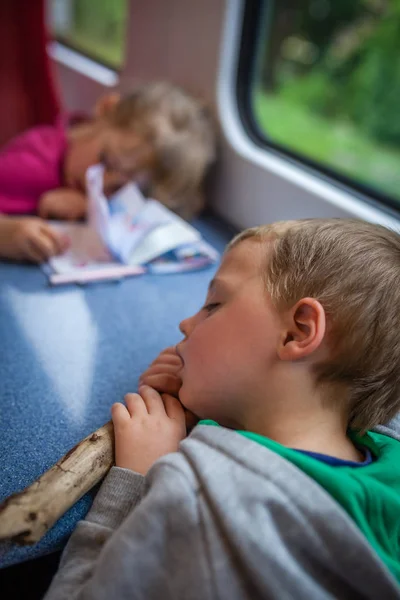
x=327, y=86
x=96, y=28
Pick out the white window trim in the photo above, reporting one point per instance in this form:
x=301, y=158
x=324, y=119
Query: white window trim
x=82, y=64
x=247, y=149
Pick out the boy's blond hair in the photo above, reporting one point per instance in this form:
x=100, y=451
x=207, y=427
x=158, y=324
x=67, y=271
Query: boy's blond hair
x=353, y=269
x=182, y=133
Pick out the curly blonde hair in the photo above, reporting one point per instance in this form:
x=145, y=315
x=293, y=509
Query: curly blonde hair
x=182, y=133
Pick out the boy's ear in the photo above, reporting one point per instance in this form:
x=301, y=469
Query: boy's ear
x=105, y=104
x=305, y=330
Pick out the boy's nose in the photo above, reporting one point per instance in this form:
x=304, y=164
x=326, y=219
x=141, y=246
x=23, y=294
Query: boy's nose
x=186, y=326
x=183, y=327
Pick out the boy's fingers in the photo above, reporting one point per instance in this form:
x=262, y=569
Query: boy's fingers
x=152, y=400
x=168, y=350
x=173, y=408
x=156, y=374
x=166, y=359
x=169, y=384
x=119, y=413
x=191, y=419
x=158, y=369
x=135, y=405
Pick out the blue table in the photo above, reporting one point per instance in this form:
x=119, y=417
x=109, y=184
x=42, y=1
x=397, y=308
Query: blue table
x=66, y=354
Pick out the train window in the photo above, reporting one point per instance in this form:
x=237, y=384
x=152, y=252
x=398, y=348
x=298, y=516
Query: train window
x=323, y=86
x=96, y=29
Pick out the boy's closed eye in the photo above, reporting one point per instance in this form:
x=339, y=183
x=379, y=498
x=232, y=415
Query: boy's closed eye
x=218, y=293
x=209, y=308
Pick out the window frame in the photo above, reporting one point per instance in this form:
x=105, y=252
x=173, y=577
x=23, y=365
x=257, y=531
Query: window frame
x=78, y=63
x=251, y=29
x=63, y=41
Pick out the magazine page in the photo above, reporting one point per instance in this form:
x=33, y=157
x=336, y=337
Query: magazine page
x=87, y=259
x=127, y=234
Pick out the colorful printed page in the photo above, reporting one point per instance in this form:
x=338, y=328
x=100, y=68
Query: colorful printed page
x=145, y=232
x=86, y=260
x=127, y=235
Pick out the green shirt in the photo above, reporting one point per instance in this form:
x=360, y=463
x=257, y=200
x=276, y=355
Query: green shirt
x=370, y=495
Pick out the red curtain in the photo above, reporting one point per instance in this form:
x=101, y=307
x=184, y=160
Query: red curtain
x=27, y=92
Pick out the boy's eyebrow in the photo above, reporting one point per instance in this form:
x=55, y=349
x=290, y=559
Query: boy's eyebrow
x=211, y=285
x=216, y=282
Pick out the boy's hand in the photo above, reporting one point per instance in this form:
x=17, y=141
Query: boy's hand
x=162, y=374
x=29, y=238
x=147, y=428
x=64, y=204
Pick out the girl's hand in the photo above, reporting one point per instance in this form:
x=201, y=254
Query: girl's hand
x=64, y=204
x=147, y=428
x=29, y=238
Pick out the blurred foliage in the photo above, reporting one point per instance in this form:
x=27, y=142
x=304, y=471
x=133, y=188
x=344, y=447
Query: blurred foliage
x=98, y=28
x=373, y=88
x=340, y=145
x=354, y=71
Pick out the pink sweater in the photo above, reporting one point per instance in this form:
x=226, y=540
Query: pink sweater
x=31, y=165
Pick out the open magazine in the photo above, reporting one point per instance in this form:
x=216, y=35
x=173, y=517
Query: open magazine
x=127, y=235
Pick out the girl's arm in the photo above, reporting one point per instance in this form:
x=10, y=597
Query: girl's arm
x=64, y=204
x=29, y=166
